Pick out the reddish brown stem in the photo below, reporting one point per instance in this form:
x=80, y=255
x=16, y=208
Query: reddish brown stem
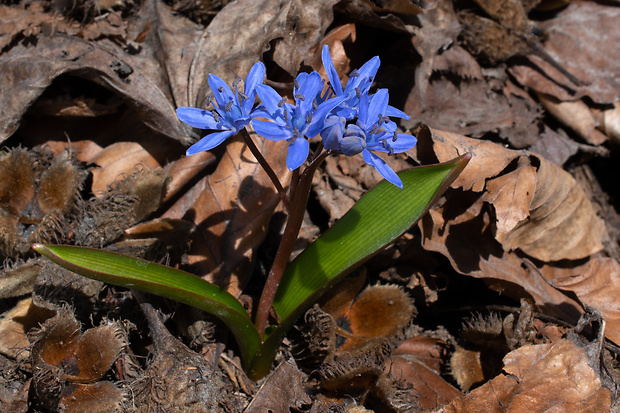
x=265, y=165
x=296, y=216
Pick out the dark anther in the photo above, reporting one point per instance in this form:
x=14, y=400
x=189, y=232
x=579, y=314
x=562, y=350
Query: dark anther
x=215, y=116
x=296, y=83
x=209, y=99
x=384, y=142
x=394, y=137
x=295, y=133
x=243, y=96
x=221, y=89
x=229, y=105
x=358, y=92
x=281, y=102
x=354, y=73
x=390, y=151
x=300, y=96
x=309, y=119
x=285, y=116
x=373, y=130
x=236, y=81
x=315, y=104
x=380, y=121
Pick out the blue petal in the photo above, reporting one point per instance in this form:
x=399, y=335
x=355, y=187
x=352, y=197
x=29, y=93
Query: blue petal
x=270, y=99
x=271, y=131
x=332, y=74
x=382, y=167
x=198, y=118
x=310, y=88
x=223, y=97
x=332, y=132
x=403, y=143
x=367, y=71
x=255, y=77
x=362, y=113
x=378, y=106
x=209, y=142
x=298, y=151
x=318, y=117
x=392, y=111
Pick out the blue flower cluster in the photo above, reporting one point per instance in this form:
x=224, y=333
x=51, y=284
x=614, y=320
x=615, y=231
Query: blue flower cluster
x=350, y=120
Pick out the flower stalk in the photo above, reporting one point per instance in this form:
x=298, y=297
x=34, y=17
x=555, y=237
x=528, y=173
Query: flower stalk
x=296, y=216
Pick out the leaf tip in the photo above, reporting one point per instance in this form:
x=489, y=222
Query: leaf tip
x=38, y=247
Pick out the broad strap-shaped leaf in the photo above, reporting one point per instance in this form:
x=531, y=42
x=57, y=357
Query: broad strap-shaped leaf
x=379, y=217
x=130, y=272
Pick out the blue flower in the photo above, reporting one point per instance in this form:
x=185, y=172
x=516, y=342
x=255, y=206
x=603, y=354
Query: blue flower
x=294, y=123
x=373, y=131
x=358, y=84
x=232, y=111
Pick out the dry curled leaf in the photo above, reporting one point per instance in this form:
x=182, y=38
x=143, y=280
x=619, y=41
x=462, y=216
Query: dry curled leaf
x=417, y=362
x=573, y=39
x=597, y=284
x=232, y=213
x=540, y=208
x=282, y=391
x=544, y=377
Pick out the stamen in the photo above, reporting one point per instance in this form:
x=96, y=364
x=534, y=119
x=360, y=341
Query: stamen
x=358, y=92
x=229, y=105
x=236, y=81
x=295, y=133
x=391, y=151
x=394, y=137
x=296, y=84
x=243, y=96
x=281, y=103
x=380, y=122
x=354, y=73
x=300, y=96
x=209, y=99
x=373, y=130
x=285, y=115
x=309, y=119
x=216, y=116
x=384, y=142
x=315, y=104
x=220, y=89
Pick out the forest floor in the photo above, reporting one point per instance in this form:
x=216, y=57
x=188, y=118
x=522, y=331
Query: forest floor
x=503, y=297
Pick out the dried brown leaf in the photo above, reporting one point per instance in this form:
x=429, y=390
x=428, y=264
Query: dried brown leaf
x=577, y=116
x=304, y=27
x=597, y=284
x=232, y=213
x=282, y=391
x=27, y=65
x=16, y=323
x=561, y=222
x=117, y=160
x=544, y=377
x=417, y=362
x=511, y=194
x=574, y=41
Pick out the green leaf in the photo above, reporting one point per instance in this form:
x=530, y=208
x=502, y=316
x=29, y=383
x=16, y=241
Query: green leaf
x=379, y=217
x=130, y=272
